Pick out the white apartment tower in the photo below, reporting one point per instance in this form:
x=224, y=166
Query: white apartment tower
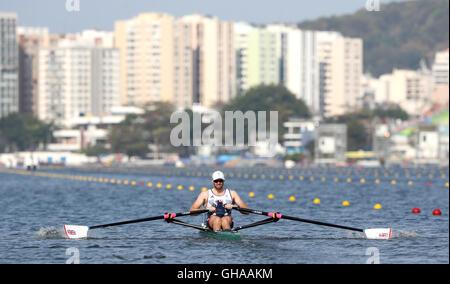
x=77, y=79
x=211, y=62
x=30, y=40
x=257, y=52
x=9, y=65
x=299, y=63
x=341, y=69
x=146, y=44
x=440, y=69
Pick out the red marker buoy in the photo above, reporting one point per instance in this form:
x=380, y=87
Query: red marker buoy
x=428, y=183
x=416, y=211
x=437, y=212
x=141, y=183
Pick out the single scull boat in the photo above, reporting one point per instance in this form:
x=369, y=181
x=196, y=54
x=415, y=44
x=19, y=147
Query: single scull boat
x=79, y=232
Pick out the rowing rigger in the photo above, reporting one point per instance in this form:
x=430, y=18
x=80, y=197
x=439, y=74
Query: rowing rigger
x=77, y=232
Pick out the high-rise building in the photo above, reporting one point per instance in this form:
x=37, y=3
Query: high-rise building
x=410, y=89
x=30, y=40
x=241, y=32
x=77, y=79
x=9, y=64
x=146, y=44
x=257, y=55
x=441, y=69
x=440, y=72
x=341, y=69
x=263, y=63
x=299, y=63
x=212, y=61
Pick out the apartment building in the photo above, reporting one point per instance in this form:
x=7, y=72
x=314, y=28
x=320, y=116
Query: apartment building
x=30, y=40
x=341, y=69
x=211, y=45
x=146, y=43
x=258, y=52
x=299, y=63
x=440, y=69
x=411, y=90
x=77, y=78
x=9, y=64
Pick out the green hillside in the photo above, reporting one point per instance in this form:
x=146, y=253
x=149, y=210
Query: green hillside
x=398, y=36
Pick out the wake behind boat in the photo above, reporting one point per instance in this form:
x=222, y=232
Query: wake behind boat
x=80, y=232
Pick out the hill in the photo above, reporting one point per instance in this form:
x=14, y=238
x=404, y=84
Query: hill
x=398, y=36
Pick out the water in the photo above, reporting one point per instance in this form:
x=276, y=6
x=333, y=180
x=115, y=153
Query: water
x=34, y=208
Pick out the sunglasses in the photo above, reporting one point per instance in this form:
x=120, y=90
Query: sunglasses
x=219, y=180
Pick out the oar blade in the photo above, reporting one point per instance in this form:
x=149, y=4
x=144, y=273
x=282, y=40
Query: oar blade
x=76, y=232
x=378, y=234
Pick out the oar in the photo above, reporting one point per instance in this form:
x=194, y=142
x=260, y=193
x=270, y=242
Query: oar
x=78, y=232
x=379, y=233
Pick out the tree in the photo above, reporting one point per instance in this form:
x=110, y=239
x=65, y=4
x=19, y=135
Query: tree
x=129, y=137
x=393, y=111
x=133, y=135
x=270, y=98
x=95, y=151
x=23, y=132
x=157, y=125
x=357, y=136
x=399, y=36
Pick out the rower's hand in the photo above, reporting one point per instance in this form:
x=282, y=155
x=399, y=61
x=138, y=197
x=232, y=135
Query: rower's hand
x=211, y=209
x=229, y=206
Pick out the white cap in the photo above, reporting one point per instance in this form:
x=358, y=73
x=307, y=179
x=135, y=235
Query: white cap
x=218, y=175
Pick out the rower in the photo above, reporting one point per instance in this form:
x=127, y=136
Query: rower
x=219, y=201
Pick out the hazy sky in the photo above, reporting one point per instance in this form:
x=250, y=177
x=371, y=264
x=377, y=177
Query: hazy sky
x=101, y=14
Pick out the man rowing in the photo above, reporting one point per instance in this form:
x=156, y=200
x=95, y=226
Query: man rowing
x=219, y=202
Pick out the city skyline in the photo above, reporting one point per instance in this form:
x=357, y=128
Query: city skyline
x=102, y=14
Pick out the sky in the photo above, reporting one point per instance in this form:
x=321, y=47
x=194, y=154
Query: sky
x=101, y=14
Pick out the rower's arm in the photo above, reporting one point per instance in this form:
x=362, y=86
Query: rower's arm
x=238, y=201
x=199, y=202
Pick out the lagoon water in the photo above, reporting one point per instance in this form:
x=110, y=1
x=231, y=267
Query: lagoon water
x=35, y=206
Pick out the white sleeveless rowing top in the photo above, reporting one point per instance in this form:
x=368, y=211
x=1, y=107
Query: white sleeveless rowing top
x=219, y=200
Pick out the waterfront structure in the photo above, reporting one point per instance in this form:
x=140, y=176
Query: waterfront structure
x=331, y=144
x=299, y=133
x=9, y=64
x=382, y=142
x=87, y=131
x=427, y=141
